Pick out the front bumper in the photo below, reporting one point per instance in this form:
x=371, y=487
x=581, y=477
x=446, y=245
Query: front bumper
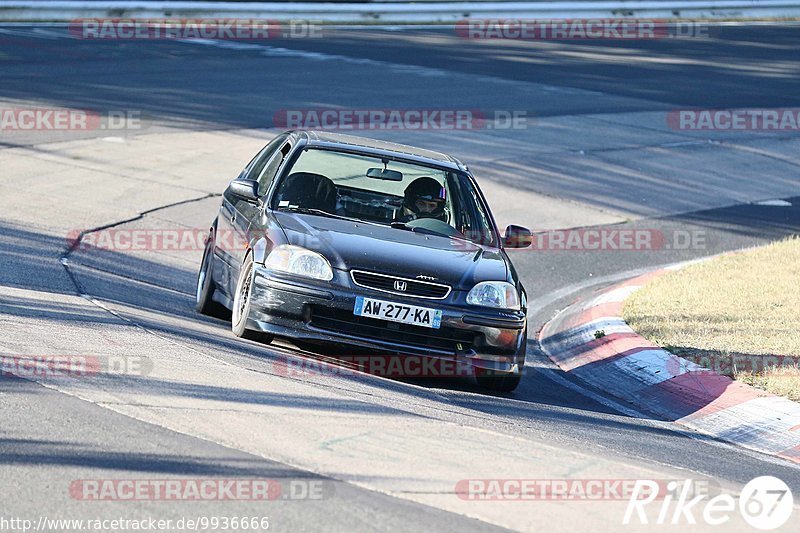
x=316, y=311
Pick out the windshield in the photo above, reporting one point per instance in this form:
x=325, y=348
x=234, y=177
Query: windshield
x=371, y=189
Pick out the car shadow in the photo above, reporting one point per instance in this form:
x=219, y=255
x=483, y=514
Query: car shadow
x=32, y=271
x=157, y=293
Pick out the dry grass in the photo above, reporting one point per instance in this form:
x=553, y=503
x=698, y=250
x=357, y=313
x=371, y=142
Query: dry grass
x=730, y=314
x=783, y=381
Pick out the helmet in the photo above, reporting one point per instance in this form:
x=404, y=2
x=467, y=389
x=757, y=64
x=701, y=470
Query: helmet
x=425, y=198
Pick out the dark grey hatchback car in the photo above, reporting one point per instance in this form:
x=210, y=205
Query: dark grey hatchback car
x=333, y=239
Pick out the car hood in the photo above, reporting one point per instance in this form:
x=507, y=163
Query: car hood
x=361, y=246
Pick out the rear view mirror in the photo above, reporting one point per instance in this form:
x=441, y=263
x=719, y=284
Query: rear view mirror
x=384, y=174
x=517, y=237
x=245, y=189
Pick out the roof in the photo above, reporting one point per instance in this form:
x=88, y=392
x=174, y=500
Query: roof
x=329, y=139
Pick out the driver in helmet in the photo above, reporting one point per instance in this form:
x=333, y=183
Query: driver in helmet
x=424, y=198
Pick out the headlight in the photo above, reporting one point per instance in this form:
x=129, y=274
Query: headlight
x=499, y=294
x=299, y=261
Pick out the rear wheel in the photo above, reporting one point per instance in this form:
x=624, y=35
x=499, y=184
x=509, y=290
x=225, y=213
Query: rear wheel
x=204, y=302
x=242, y=302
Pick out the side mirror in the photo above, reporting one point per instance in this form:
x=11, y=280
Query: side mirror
x=245, y=189
x=517, y=237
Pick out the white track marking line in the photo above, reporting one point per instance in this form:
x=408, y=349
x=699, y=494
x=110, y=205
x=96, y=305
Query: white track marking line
x=774, y=203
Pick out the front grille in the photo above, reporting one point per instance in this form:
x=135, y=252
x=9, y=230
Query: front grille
x=346, y=322
x=413, y=287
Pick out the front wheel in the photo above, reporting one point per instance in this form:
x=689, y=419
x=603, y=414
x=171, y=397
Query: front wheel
x=242, y=302
x=497, y=381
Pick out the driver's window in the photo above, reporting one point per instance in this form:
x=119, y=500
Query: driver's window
x=268, y=174
x=256, y=166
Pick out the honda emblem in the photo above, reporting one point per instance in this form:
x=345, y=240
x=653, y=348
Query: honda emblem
x=400, y=286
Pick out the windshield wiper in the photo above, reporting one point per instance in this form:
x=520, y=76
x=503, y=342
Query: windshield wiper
x=427, y=231
x=417, y=229
x=319, y=212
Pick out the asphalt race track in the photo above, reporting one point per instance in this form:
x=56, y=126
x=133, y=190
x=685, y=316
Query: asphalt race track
x=595, y=148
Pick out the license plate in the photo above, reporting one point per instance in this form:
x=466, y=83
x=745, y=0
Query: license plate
x=394, y=312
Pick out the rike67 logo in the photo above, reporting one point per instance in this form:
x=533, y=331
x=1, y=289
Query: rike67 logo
x=765, y=503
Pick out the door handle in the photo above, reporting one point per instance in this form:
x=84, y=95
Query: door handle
x=233, y=217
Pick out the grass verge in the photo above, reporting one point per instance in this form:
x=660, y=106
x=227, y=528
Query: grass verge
x=738, y=315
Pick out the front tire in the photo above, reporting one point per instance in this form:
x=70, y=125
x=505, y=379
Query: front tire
x=497, y=381
x=242, y=302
